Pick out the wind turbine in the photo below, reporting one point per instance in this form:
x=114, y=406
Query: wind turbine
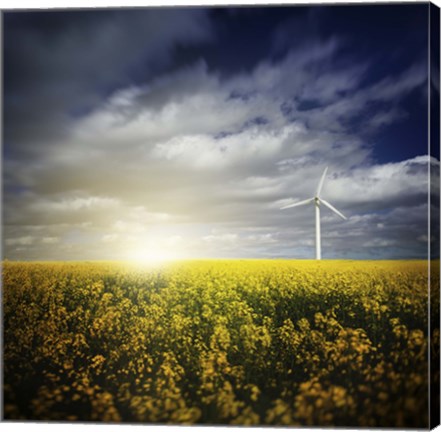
x=317, y=201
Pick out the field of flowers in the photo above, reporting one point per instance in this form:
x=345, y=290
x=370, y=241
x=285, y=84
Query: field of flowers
x=244, y=342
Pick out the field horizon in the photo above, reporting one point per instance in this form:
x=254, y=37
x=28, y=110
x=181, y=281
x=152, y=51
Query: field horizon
x=165, y=261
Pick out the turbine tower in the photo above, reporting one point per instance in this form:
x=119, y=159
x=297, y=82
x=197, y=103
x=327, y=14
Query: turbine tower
x=317, y=201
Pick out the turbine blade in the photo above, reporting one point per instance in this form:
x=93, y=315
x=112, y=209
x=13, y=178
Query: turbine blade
x=333, y=208
x=300, y=203
x=322, y=180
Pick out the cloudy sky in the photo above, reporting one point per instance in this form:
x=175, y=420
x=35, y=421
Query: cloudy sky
x=180, y=132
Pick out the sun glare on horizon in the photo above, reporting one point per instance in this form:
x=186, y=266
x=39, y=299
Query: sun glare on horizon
x=154, y=255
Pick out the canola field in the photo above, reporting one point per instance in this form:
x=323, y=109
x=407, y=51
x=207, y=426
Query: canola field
x=239, y=342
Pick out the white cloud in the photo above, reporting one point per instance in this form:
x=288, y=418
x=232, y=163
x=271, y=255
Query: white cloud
x=228, y=238
x=204, y=163
x=79, y=203
x=207, y=152
x=378, y=242
x=50, y=240
x=20, y=241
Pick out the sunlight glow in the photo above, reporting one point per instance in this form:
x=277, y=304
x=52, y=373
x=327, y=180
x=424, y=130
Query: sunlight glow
x=154, y=254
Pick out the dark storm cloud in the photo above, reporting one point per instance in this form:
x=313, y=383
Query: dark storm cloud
x=59, y=65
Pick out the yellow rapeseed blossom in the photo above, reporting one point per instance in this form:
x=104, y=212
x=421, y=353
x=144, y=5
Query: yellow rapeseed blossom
x=244, y=342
